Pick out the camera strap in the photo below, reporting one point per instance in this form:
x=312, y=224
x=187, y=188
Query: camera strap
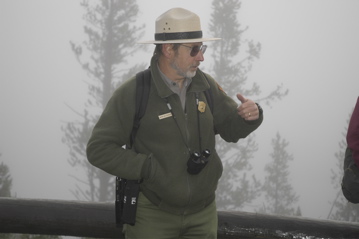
x=199, y=125
x=127, y=190
x=198, y=120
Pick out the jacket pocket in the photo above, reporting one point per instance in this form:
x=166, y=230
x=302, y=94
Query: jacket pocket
x=152, y=168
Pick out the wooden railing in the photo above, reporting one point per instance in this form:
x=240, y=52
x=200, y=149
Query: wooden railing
x=85, y=219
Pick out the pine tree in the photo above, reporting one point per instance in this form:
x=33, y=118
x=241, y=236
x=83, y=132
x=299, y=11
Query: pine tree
x=341, y=209
x=5, y=180
x=279, y=195
x=233, y=58
x=112, y=34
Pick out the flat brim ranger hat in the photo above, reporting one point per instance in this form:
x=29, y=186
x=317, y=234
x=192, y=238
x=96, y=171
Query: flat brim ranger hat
x=178, y=25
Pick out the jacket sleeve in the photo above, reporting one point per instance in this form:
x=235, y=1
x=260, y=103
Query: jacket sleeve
x=228, y=124
x=353, y=134
x=105, y=149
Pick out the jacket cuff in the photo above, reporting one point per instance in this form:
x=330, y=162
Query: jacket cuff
x=255, y=122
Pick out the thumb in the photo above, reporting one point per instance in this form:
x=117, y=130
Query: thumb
x=241, y=98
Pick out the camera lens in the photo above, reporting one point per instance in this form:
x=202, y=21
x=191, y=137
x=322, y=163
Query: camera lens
x=196, y=157
x=206, y=153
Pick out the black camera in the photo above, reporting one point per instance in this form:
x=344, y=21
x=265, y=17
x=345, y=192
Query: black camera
x=197, y=161
x=126, y=200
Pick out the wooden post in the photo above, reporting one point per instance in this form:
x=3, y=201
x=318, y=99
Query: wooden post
x=85, y=219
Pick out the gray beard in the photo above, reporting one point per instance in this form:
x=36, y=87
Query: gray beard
x=187, y=74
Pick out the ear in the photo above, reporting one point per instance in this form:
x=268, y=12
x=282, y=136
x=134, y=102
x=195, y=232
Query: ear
x=167, y=50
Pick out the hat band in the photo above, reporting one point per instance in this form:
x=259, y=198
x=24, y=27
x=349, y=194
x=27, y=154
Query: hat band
x=177, y=35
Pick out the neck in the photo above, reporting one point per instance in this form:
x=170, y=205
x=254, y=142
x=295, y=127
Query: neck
x=167, y=70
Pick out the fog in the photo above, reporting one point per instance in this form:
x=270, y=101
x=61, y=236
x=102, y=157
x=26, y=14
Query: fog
x=309, y=46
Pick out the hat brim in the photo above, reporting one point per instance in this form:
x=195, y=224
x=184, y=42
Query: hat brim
x=180, y=41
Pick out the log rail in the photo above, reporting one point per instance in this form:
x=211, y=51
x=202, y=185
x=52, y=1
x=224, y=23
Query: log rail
x=97, y=220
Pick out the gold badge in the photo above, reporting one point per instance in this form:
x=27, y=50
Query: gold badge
x=201, y=106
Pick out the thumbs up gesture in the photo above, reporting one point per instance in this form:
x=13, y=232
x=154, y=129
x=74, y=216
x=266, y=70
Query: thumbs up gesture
x=248, y=110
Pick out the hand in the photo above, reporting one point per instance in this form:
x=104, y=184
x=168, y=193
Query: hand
x=248, y=110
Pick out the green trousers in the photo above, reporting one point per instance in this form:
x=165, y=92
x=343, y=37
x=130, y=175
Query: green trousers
x=153, y=223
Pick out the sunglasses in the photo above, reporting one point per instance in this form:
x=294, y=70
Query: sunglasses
x=195, y=49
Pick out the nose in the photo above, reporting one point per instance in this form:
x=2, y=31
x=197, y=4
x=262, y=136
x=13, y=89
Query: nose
x=199, y=56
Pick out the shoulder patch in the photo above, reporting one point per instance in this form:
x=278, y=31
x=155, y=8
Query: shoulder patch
x=220, y=88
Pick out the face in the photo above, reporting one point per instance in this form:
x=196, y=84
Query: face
x=183, y=63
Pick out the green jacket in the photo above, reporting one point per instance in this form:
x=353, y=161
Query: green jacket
x=163, y=146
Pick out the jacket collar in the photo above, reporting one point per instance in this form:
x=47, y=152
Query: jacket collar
x=198, y=83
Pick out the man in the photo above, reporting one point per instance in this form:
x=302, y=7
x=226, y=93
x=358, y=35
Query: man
x=177, y=192
x=350, y=182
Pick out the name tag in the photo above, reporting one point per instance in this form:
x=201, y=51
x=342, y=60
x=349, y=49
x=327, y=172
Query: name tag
x=164, y=116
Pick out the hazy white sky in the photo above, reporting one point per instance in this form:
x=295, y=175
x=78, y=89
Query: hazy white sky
x=311, y=46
